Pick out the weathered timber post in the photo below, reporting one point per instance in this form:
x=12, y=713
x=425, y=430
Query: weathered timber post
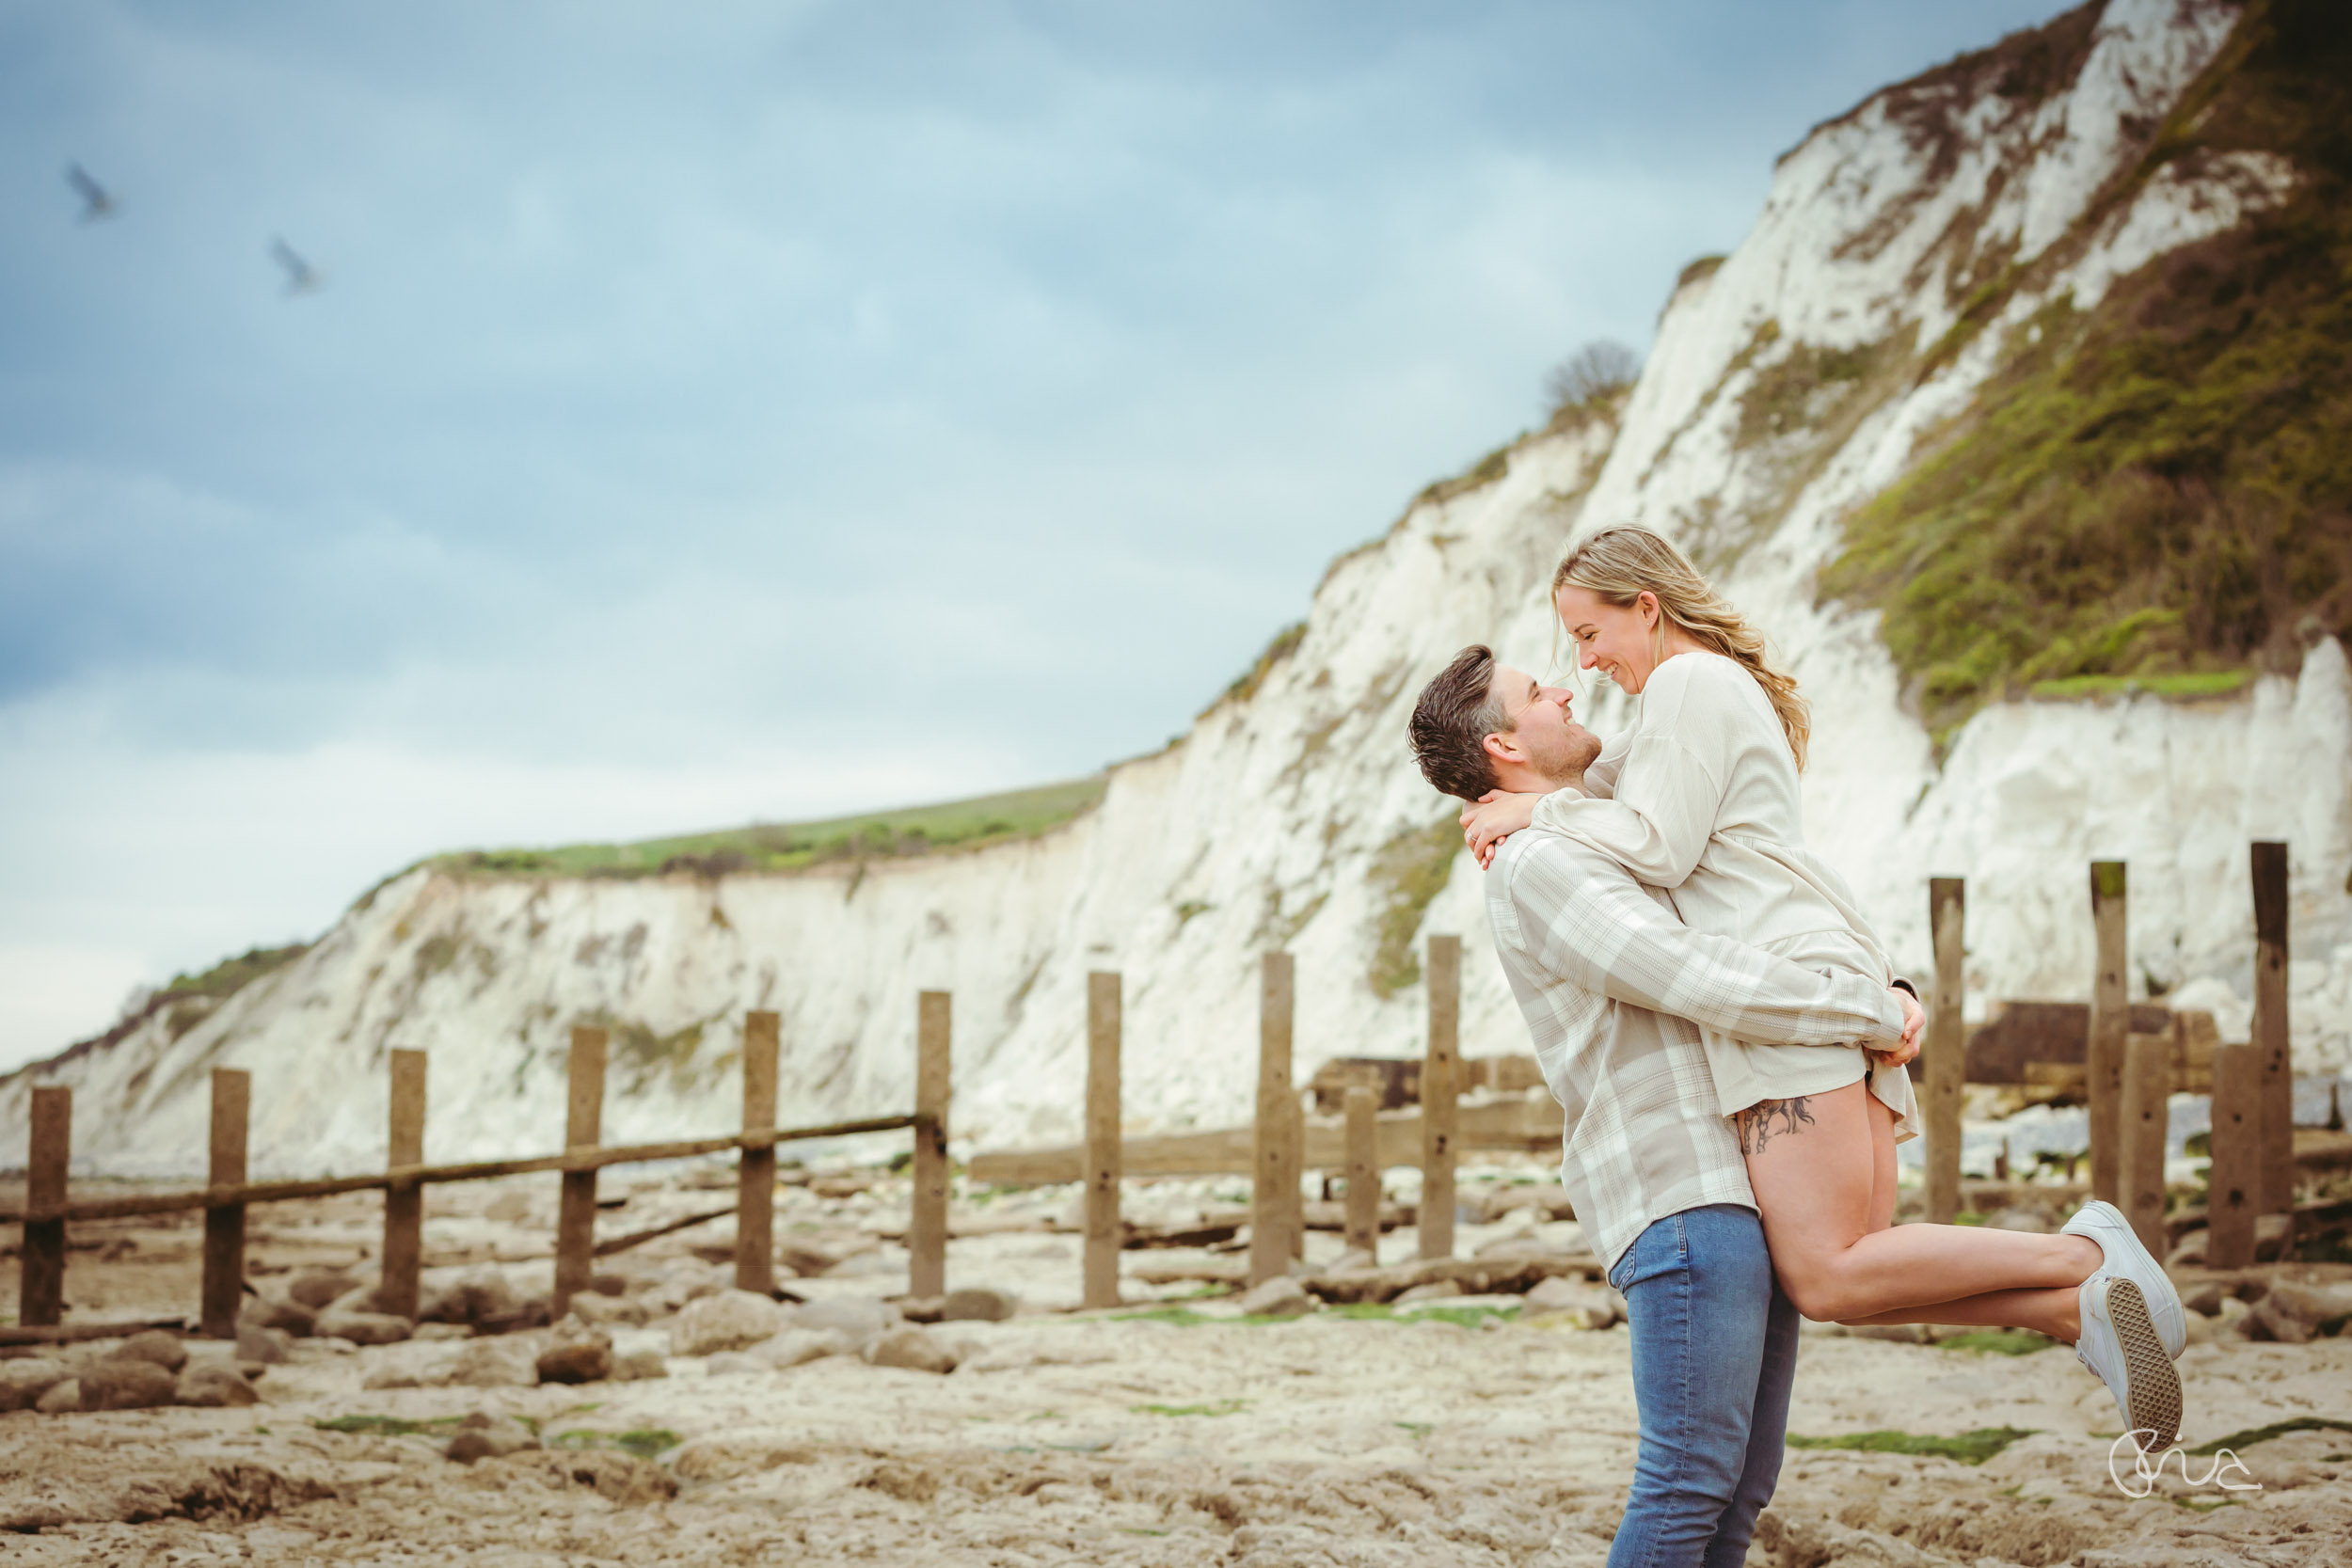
x=224, y=1224
x=1947, y=1048
x=1297, y=1221
x=1440, y=1079
x=1363, y=1171
x=2144, y=1119
x=927, y=1226
x=2110, y=1027
x=2270, y=1028
x=1274, y=1181
x=404, y=1206
x=1103, y=1134
x=40, y=1290
x=755, y=1167
x=584, y=1128
x=2234, y=1180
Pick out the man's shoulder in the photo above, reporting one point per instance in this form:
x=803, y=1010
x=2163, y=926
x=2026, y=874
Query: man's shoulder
x=1533, y=859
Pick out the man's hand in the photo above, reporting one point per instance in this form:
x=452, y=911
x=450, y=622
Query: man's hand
x=1496, y=816
x=1914, y=1021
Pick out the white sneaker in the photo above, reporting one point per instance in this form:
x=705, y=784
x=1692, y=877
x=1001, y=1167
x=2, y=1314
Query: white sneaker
x=2119, y=1343
x=2104, y=1223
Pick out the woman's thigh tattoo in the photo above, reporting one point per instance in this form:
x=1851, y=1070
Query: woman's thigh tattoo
x=1761, y=1121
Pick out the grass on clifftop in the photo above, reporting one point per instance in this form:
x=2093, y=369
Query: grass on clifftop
x=2159, y=489
x=792, y=846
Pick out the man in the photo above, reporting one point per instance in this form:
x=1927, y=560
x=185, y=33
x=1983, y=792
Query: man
x=1614, y=986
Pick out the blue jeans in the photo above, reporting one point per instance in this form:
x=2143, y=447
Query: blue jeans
x=1714, y=1355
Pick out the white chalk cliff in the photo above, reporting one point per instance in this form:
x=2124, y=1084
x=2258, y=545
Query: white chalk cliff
x=1291, y=815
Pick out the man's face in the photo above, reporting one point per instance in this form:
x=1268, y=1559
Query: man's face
x=1544, y=738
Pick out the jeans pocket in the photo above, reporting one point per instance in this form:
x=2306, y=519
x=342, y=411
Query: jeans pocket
x=1664, y=1248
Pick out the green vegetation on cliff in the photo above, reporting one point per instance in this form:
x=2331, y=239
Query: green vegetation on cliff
x=2158, y=488
x=792, y=846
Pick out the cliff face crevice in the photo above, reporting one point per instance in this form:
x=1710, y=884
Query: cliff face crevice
x=1842, y=344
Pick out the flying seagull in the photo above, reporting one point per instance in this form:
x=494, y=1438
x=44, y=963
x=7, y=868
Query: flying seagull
x=301, y=276
x=97, y=201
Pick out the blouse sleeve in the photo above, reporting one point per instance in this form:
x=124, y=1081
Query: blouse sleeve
x=1659, y=824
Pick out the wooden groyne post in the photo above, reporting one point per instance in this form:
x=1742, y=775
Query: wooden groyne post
x=403, y=1203
x=2233, y=1181
x=755, y=1166
x=1946, y=1046
x=2110, y=1029
x=2270, y=1027
x=2144, y=1122
x=224, y=1223
x=584, y=1128
x=1364, y=1170
x=927, y=1226
x=1274, y=1187
x=1102, y=1142
x=1440, y=1081
x=40, y=1288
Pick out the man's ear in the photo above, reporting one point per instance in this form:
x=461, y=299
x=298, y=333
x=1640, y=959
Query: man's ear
x=1502, y=748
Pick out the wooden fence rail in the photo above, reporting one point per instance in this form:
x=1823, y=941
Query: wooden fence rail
x=48, y=1208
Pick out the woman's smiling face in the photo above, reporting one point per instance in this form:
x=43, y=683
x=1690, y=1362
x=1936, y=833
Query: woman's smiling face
x=1619, y=640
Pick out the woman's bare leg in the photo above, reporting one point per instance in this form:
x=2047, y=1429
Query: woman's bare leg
x=1881, y=1158
x=2054, y=1312
x=1812, y=1164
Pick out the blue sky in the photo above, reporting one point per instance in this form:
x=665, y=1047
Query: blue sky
x=722, y=412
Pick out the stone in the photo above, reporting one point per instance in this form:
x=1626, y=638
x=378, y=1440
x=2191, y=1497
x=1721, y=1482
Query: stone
x=795, y=1346
x=213, y=1386
x=61, y=1397
x=729, y=1320
x=483, y=1295
x=920, y=1309
x=729, y=1455
x=1278, y=1297
x=489, y=1437
x=315, y=1288
x=575, y=1352
x=2315, y=1307
x=1574, y=1301
x=513, y=1207
x=23, y=1382
x=495, y=1363
x=628, y=1312
x=289, y=1317
x=1353, y=1259
x=804, y=1260
x=861, y=1318
x=257, y=1342
x=124, y=1382
x=167, y=1350
x=735, y=1363
x=1437, y=1290
x=2204, y=1299
x=636, y=1365
x=913, y=1349
x=609, y=1284
x=986, y=1304
x=363, y=1328
x=2267, y=1320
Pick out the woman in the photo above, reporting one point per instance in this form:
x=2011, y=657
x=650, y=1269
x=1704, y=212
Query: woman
x=1701, y=798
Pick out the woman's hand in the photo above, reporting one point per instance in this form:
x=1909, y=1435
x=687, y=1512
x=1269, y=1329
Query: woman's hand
x=1496, y=816
x=1914, y=1021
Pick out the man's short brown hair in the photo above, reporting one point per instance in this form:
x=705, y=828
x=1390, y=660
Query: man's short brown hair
x=1450, y=722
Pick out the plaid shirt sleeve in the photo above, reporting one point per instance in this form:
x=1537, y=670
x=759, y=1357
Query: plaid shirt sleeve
x=1594, y=926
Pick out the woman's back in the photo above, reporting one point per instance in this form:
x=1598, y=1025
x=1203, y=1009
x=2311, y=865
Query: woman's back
x=1707, y=767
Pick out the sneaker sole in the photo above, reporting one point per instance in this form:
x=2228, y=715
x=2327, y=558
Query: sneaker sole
x=2152, y=1384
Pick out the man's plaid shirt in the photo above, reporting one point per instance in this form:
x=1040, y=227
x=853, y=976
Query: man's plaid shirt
x=1611, y=984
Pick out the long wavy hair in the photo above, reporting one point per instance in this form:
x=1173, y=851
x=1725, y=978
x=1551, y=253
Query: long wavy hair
x=1619, y=564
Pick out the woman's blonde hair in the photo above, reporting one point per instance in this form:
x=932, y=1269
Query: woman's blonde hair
x=1619, y=564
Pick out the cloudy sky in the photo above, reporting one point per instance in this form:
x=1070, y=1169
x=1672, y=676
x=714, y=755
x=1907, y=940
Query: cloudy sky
x=727, y=411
